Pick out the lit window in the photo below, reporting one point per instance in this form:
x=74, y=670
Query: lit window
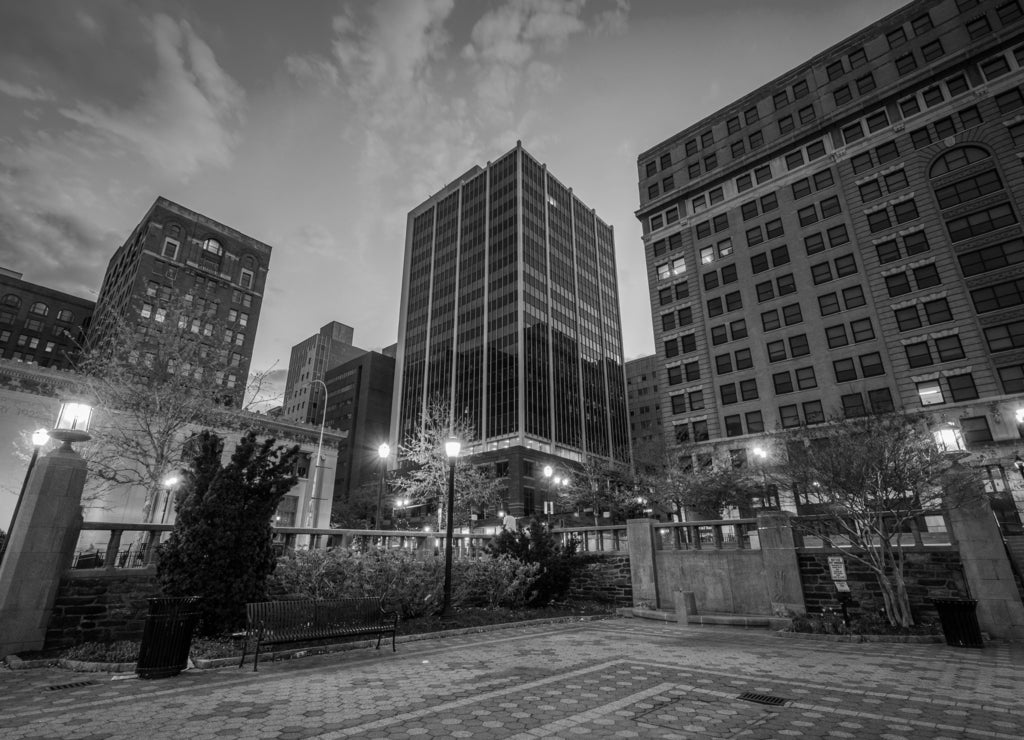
x=930, y=393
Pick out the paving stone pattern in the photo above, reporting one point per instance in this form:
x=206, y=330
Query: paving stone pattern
x=620, y=678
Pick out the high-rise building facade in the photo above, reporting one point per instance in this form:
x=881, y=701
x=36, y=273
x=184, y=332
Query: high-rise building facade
x=359, y=399
x=309, y=360
x=644, y=404
x=176, y=255
x=510, y=317
x=847, y=239
x=40, y=325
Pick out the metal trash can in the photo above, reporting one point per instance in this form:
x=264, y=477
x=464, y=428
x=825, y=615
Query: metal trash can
x=167, y=636
x=959, y=622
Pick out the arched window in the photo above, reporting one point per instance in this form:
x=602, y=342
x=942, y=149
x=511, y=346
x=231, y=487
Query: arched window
x=65, y=315
x=211, y=254
x=174, y=232
x=954, y=159
x=213, y=247
x=39, y=309
x=12, y=300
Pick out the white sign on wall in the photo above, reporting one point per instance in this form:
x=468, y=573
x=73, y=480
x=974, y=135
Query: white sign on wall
x=837, y=568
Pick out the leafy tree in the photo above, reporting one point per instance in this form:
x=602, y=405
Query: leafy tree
x=873, y=479
x=221, y=548
x=154, y=381
x=535, y=544
x=357, y=511
x=423, y=467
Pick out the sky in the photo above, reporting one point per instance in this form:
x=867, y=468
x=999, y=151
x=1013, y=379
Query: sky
x=317, y=126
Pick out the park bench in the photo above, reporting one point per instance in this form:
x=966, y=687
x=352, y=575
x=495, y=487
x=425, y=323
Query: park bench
x=302, y=620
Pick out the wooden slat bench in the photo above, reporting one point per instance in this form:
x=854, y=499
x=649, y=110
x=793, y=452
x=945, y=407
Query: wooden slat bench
x=301, y=620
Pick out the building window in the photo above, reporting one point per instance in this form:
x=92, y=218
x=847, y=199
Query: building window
x=906, y=64
x=962, y=388
x=896, y=37
x=789, y=416
x=853, y=405
x=975, y=429
x=245, y=279
x=879, y=221
x=918, y=354
x=908, y=318
x=978, y=27
x=981, y=222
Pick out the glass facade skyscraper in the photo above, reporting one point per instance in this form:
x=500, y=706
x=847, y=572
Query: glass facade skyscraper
x=510, y=316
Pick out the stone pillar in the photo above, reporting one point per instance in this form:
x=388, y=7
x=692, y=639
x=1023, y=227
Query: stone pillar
x=642, y=566
x=781, y=568
x=42, y=544
x=987, y=570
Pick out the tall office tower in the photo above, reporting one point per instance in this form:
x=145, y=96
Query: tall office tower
x=176, y=254
x=359, y=399
x=41, y=325
x=847, y=239
x=309, y=360
x=510, y=317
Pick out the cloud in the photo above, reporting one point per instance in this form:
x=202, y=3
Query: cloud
x=613, y=22
x=189, y=112
x=14, y=90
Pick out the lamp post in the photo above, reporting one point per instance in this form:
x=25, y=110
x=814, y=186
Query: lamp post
x=169, y=483
x=555, y=481
x=382, y=452
x=39, y=438
x=451, y=449
x=311, y=510
x=1017, y=463
x=762, y=455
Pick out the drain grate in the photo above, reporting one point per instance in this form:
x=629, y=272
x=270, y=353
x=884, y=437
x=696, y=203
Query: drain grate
x=772, y=701
x=73, y=685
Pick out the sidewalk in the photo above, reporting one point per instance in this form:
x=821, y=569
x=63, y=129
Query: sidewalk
x=615, y=678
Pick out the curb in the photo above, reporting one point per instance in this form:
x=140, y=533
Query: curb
x=17, y=664
x=907, y=639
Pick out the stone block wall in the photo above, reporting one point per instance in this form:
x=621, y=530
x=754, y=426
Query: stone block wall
x=603, y=577
x=100, y=607
x=930, y=575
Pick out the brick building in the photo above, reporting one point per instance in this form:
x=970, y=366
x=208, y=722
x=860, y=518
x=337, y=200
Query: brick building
x=847, y=239
x=219, y=271
x=40, y=325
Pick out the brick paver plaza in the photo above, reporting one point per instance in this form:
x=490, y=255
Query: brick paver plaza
x=613, y=678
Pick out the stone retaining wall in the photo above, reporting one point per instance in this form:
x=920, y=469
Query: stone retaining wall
x=930, y=575
x=603, y=577
x=100, y=607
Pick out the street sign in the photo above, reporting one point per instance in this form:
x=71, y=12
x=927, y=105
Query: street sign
x=837, y=568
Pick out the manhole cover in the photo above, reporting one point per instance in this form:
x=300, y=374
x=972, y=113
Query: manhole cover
x=72, y=685
x=705, y=716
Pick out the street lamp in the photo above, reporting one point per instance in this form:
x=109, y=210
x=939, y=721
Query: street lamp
x=382, y=452
x=762, y=454
x=39, y=438
x=169, y=483
x=451, y=449
x=1019, y=464
x=311, y=511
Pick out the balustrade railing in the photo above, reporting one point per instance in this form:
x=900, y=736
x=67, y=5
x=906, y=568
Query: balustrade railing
x=135, y=545
x=604, y=538
x=818, y=531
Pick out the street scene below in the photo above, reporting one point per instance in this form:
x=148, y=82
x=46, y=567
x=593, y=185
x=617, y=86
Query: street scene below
x=608, y=678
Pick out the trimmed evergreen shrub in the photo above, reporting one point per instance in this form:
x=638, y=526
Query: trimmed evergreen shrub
x=536, y=545
x=221, y=548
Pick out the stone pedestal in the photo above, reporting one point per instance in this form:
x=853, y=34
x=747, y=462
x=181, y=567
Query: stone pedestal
x=781, y=568
x=40, y=550
x=987, y=571
x=643, y=569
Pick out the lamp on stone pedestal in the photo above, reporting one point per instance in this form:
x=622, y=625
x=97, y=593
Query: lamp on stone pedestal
x=72, y=424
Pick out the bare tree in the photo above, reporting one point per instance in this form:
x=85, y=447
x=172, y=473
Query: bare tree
x=156, y=378
x=873, y=479
x=423, y=467
x=704, y=491
x=601, y=485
